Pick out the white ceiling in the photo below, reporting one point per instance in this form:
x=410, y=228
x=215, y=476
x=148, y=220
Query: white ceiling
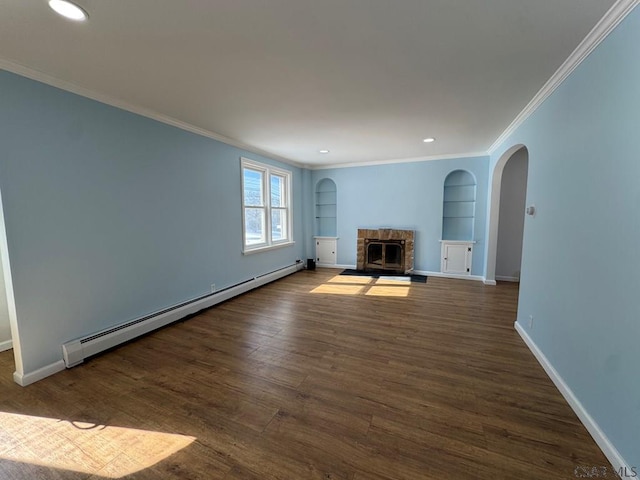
x=366, y=79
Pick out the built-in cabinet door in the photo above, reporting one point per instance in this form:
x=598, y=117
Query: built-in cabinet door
x=326, y=251
x=456, y=258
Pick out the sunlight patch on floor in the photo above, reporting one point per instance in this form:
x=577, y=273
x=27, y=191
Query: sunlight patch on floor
x=338, y=289
x=389, y=291
x=365, y=285
x=111, y=452
x=352, y=279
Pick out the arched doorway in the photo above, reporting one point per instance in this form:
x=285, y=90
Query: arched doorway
x=518, y=152
x=513, y=196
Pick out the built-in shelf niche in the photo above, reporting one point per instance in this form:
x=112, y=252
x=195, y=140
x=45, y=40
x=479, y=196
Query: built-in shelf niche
x=459, y=206
x=326, y=208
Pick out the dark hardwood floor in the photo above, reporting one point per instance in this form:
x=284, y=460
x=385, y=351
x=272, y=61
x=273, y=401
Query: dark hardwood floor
x=315, y=376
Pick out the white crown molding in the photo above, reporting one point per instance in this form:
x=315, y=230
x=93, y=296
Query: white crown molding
x=42, y=77
x=138, y=110
x=611, y=19
x=399, y=160
x=607, y=23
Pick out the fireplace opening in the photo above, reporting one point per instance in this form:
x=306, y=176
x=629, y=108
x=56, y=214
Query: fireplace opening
x=385, y=250
x=385, y=255
x=374, y=254
x=393, y=255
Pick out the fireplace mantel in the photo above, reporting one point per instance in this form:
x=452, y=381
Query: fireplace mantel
x=382, y=242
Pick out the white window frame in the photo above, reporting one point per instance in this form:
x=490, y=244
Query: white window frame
x=267, y=171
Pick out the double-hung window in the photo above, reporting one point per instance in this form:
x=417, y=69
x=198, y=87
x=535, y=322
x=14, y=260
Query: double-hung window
x=266, y=206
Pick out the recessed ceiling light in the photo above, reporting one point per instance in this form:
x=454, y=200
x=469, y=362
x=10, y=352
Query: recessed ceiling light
x=68, y=10
x=323, y=151
x=429, y=140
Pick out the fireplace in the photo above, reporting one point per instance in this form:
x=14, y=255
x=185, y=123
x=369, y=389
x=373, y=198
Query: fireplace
x=384, y=254
x=385, y=250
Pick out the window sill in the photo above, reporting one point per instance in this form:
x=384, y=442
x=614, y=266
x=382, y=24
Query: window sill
x=249, y=251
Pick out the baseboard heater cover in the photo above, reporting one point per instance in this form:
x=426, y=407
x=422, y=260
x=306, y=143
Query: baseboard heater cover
x=75, y=351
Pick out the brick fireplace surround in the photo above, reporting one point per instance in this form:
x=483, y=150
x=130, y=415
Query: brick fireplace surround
x=386, y=235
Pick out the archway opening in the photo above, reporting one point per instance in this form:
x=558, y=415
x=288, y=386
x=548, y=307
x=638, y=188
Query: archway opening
x=513, y=196
x=518, y=151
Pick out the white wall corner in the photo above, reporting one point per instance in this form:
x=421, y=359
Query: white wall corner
x=489, y=282
x=610, y=451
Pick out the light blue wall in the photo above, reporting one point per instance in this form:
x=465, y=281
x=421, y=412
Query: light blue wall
x=403, y=196
x=110, y=215
x=581, y=257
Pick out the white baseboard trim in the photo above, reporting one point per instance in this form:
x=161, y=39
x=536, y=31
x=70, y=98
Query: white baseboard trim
x=490, y=282
x=6, y=345
x=507, y=279
x=328, y=265
x=475, y=278
x=25, y=379
x=610, y=451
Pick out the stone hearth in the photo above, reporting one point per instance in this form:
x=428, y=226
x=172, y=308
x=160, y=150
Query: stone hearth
x=385, y=249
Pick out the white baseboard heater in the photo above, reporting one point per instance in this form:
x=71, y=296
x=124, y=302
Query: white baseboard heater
x=75, y=351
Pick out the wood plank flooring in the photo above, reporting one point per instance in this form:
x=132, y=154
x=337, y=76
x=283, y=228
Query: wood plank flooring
x=315, y=376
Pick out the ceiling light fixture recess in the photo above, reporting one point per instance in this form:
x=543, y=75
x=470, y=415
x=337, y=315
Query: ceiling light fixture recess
x=323, y=151
x=429, y=140
x=69, y=10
